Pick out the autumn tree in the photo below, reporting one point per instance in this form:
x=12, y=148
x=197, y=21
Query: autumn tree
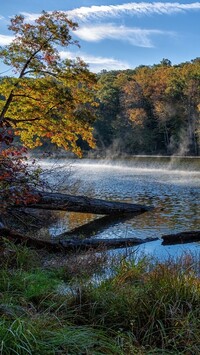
x=162, y=104
x=138, y=110
x=47, y=97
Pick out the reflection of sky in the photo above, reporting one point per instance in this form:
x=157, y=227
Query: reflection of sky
x=157, y=250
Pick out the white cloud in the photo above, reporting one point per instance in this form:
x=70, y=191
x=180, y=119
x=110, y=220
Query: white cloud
x=5, y=40
x=96, y=63
x=133, y=8
x=136, y=36
x=31, y=17
x=141, y=8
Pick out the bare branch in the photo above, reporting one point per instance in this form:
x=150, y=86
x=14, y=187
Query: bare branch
x=22, y=120
x=41, y=72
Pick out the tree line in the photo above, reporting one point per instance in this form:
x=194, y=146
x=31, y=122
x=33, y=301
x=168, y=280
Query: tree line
x=150, y=110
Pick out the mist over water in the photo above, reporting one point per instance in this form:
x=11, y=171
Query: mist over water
x=170, y=185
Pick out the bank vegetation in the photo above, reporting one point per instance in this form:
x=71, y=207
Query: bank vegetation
x=87, y=303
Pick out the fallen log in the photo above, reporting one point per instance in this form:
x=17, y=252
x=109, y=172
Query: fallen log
x=64, y=202
x=105, y=243
x=70, y=244
x=180, y=238
x=18, y=238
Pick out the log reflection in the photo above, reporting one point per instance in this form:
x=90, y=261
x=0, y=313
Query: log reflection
x=96, y=226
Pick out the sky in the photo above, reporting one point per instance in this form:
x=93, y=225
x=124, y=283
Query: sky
x=118, y=34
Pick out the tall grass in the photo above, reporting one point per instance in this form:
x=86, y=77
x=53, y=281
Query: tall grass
x=25, y=337
x=145, y=307
x=158, y=305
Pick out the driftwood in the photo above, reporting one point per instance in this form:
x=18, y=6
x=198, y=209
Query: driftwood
x=63, y=202
x=182, y=237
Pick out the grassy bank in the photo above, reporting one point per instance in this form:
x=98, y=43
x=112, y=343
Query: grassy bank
x=49, y=305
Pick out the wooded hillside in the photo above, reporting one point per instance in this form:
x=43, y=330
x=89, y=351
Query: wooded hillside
x=151, y=109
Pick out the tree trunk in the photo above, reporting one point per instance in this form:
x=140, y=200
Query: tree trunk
x=63, y=202
x=182, y=237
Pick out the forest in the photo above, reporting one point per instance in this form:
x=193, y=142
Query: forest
x=150, y=110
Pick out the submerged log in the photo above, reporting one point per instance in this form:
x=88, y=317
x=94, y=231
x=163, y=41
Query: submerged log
x=182, y=237
x=64, y=202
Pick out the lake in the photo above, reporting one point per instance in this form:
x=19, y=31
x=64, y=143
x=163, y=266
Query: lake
x=170, y=184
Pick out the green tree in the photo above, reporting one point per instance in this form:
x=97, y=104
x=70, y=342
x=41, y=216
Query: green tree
x=108, y=98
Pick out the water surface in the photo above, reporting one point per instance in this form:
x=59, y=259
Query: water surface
x=170, y=185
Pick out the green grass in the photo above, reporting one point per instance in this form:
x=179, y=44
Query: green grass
x=23, y=336
x=146, y=307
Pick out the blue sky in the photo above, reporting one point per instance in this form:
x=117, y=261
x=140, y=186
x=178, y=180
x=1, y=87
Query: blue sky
x=119, y=34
